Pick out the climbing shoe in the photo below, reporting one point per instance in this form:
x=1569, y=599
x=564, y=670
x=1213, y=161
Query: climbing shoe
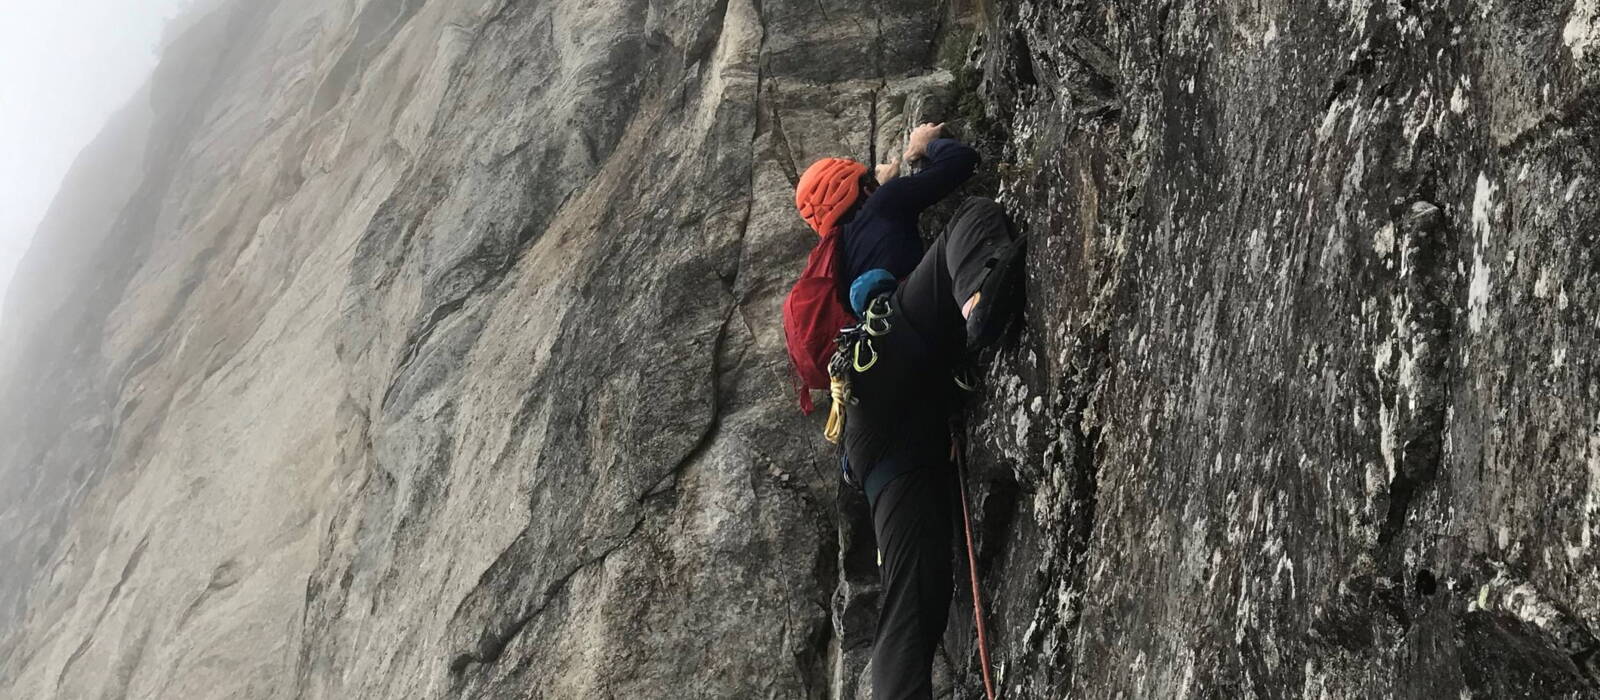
x=985, y=256
x=998, y=297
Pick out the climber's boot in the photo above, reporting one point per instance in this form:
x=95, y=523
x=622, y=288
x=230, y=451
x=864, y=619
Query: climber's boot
x=985, y=258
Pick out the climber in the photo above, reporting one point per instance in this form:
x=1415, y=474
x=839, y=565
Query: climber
x=933, y=310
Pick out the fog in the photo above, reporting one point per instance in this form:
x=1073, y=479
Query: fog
x=65, y=67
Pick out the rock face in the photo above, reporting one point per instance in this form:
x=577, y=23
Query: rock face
x=1306, y=404
x=390, y=348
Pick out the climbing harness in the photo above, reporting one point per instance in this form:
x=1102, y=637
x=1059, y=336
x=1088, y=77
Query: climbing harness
x=847, y=356
x=960, y=458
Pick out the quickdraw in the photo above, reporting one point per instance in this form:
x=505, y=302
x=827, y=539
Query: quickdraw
x=851, y=340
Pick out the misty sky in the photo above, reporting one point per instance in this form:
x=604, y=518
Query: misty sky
x=65, y=67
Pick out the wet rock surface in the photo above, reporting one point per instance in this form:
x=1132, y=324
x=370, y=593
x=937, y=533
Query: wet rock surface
x=420, y=349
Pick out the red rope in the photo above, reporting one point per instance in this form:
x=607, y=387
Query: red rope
x=972, y=564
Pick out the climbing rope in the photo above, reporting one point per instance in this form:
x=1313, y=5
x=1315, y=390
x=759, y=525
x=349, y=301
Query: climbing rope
x=839, y=388
x=972, y=560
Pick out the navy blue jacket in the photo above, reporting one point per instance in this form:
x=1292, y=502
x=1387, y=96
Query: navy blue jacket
x=884, y=232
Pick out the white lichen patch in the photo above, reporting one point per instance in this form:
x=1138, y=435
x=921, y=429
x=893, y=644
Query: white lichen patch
x=1358, y=125
x=1271, y=35
x=1256, y=245
x=1478, y=290
x=1381, y=357
x=1383, y=242
x=1330, y=119
x=1579, y=34
x=1572, y=189
x=1478, y=295
x=1374, y=478
x=1285, y=566
x=1388, y=439
x=1417, y=118
x=1021, y=424
x=1482, y=205
x=1520, y=599
x=1409, y=385
x=1458, y=99
x=1591, y=496
x=1244, y=611
x=1410, y=25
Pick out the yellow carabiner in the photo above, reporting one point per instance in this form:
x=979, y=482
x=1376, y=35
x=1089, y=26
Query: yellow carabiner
x=856, y=360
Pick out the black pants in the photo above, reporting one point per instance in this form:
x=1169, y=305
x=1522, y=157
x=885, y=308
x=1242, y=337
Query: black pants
x=900, y=430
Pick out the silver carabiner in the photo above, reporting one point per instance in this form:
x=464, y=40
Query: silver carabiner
x=879, y=312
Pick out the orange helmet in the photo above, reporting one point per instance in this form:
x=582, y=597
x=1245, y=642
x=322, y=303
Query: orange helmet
x=827, y=190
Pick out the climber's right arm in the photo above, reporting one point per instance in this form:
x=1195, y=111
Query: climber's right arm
x=946, y=164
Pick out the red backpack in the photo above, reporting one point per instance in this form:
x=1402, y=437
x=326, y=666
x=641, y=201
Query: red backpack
x=813, y=315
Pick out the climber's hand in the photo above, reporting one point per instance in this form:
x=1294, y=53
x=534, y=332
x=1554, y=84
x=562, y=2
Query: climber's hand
x=920, y=138
x=888, y=171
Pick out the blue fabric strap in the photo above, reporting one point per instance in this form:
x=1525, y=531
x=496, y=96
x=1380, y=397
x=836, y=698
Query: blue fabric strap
x=867, y=287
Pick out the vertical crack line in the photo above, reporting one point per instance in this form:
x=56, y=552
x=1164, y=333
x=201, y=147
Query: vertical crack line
x=1424, y=335
x=822, y=9
x=883, y=83
x=1086, y=434
x=714, y=426
x=872, y=128
x=878, y=52
x=492, y=646
x=942, y=15
x=785, y=151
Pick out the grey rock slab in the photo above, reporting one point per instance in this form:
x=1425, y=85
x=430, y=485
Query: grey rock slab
x=435, y=353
